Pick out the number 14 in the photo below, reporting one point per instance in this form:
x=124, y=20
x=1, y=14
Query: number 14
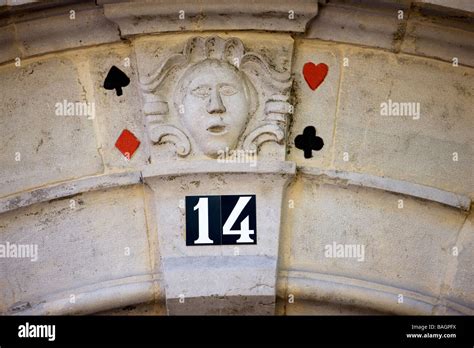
x=203, y=227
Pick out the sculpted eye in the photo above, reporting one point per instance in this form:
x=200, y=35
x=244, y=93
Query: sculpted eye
x=227, y=90
x=202, y=91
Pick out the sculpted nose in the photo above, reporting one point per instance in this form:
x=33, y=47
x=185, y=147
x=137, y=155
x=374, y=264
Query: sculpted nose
x=215, y=105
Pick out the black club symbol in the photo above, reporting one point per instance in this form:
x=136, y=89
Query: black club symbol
x=308, y=141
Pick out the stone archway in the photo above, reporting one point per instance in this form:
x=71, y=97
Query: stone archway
x=96, y=185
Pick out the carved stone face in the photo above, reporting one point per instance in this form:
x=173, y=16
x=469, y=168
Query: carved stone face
x=216, y=105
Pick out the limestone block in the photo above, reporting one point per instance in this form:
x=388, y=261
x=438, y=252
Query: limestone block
x=57, y=31
x=233, y=277
x=339, y=291
x=152, y=308
x=405, y=253
x=108, y=245
x=315, y=108
x=372, y=25
x=15, y=2
x=459, y=282
x=223, y=305
x=205, y=95
x=220, y=285
x=140, y=17
x=390, y=185
x=428, y=142
x=440, y=39
x=302, y=307
x=33, y=136
x=115, y=113
x=68, y=188
x=9, y=49
x=464, y=5
x=97, y=250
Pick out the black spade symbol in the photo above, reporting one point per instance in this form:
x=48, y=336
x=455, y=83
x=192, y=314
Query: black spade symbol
x=116, y=79
x=308, y=141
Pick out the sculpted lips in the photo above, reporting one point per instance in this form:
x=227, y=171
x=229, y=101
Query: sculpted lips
x=217, y=129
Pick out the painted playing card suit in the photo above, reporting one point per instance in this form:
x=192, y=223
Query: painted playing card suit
x=116, y=79
x=127, y=143
x=315, y=74
x=309, y=142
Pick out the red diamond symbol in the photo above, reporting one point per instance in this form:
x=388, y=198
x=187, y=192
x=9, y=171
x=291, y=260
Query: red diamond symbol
x=127, y=143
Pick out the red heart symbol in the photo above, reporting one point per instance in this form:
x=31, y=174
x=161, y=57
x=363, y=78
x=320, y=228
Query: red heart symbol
x=315, y=74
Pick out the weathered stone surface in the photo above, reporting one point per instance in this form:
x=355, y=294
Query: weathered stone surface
x=152, y=308
x=59, y=32
x=303, y=307
x=432, y=31
x=140, y=17
x=377, y=183
x=35, y=138
x=15, y=2
x=427, y=37
x=372, y=25
x=390, y=185
x=339, y=291
x=464, y=5
x=65, y=189
x=459, y=281
x=172, y=168
x=379, y=145
x=249, y=114
x=395, y=249
x=315, y=108
x=99, y=245
x=223, y=305
x=9, y=49
x=115, y=113
x=221, y=271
